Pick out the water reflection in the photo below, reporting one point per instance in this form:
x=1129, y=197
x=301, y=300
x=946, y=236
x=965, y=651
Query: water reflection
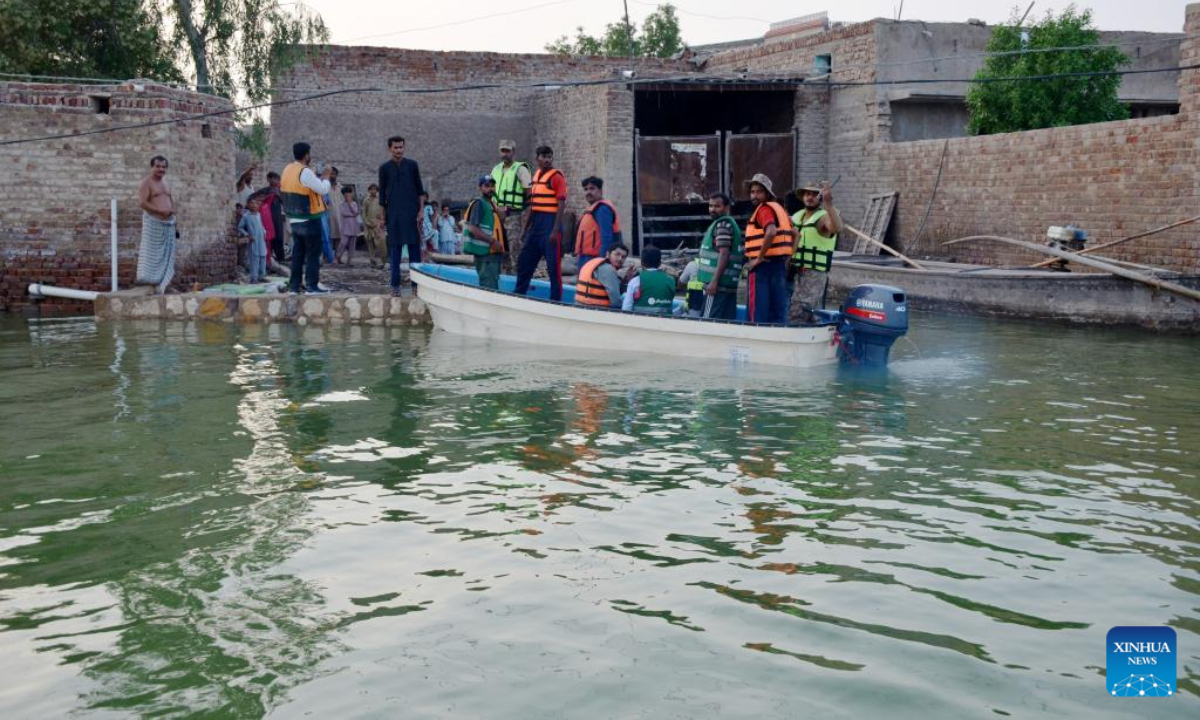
x=375, y=522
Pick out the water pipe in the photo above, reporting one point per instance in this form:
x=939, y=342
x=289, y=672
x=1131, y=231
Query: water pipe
x=40, y=290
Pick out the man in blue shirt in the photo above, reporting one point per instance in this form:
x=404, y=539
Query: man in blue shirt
x=599, y=227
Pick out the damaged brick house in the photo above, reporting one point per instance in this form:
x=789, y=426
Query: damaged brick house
x=808, y=100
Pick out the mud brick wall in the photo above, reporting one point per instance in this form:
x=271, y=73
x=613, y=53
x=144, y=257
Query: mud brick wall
x=452, y=135
x=55, y=224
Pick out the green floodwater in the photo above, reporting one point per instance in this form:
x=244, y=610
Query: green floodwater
x=229, y=521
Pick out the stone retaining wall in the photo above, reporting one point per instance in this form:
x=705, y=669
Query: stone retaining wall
x=299, y=309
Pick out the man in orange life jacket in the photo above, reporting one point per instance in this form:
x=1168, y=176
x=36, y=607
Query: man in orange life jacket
x=543, y=231
x=768, y=247
x=598, y=284
x=599, y=227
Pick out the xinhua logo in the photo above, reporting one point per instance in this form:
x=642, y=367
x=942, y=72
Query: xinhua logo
x=1141, y=661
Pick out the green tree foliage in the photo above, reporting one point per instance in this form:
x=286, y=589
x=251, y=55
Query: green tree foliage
x=997, y=107
x=117, y=39
x=242, y=44
x=659, y=37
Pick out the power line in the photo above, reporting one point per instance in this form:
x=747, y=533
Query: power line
x=689, y=79
x=683, y=11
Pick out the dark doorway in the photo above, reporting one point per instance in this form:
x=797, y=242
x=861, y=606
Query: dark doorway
x=672, y=110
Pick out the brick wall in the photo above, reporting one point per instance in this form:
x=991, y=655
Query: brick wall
x=56, y=219
x=452, y=135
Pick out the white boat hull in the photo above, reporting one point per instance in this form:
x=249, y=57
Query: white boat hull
x=467, y=310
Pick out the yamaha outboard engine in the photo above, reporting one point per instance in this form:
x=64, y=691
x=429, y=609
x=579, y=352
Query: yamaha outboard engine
x=873, y=317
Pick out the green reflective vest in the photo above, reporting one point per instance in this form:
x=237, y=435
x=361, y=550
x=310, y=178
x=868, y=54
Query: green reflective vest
x=709, y=257
x=509, y=192
x=814, y=251
x=487, y=223
x=656, y=293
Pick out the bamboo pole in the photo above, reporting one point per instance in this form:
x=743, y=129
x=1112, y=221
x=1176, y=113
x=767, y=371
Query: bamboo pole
x=1155, y=231
x=881, y=246
x=1090, y=262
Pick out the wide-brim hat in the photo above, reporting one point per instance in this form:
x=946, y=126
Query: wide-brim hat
x=508, y=145
x=810, y=187
x=764, y=181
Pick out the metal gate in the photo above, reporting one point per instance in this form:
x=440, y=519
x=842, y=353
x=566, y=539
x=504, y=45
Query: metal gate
x=677, y=171
x=773, y=155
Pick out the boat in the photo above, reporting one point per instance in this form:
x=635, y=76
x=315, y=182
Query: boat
x=458, y=305
x=1078, y=297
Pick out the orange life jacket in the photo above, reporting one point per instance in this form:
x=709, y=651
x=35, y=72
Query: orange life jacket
x=781, y=245
x=589, y=290
x=298, y=200
x=542, y=197
x=587, y=238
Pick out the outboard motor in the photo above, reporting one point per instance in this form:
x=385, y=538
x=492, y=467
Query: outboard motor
x=873, y=317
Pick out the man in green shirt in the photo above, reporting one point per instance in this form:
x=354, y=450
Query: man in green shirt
x=817, y=227
x=484, y=236
x=652, y=292
x=720, y=261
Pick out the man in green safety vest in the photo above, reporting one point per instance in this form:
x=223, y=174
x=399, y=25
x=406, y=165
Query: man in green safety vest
x=484, y=236
x=720, y=261
x=513, y=180
x=817, y=227
x=652, y=292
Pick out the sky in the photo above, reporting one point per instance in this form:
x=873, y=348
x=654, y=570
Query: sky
x=527, y=25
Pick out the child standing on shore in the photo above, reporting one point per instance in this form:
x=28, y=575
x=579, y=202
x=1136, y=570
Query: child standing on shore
x=251, y=226
x=447, y=231
x=350, y=224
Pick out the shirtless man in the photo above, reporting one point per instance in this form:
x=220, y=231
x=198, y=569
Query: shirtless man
x=153, y=195
x=156, y=257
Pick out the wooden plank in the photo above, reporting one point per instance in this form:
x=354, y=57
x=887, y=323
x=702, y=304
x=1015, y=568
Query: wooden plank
x=873, y=241
x=875, y=223
x=1117, y=270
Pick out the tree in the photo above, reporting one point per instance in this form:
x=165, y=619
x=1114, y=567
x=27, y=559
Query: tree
x=659, y=37
x=249, y=41
x=1009, y=106
x=117, y=39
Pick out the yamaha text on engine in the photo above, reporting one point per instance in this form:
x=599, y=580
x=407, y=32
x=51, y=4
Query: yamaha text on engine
x=873, y=317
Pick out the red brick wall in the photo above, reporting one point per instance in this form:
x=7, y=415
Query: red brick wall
x=55, y=223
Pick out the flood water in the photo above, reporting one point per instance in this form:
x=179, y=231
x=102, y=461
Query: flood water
x=365, y=522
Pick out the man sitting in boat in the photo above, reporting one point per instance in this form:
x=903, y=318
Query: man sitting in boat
x=817, y=227
x=484, y=236
x=598, y=284
x=652, y=292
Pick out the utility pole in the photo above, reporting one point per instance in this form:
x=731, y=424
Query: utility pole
x=628, y=30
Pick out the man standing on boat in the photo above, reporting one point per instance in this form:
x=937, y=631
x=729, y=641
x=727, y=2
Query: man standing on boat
x=513, y=180
x=543, y=231
x=402, y=197
x=768, y=246
x=598, y=284
x=817, y=228
x=599, y=227
x=719, y=265
x=484, y=236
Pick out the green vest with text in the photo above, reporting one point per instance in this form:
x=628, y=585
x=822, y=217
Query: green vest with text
x=814, y=251
x=487, y=223
x=709, y=257
x=509, y=192
x=656, y=293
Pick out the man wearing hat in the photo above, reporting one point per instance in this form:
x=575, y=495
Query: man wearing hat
x=768, y=247
x=512, y=194
x=817, y=228
x=484, y=236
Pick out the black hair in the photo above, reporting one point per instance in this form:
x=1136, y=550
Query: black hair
x=347, y=189
x=395, y=139
x=544, y=150
x=722, y=197
x=272, y=175
x=619, y=246
x=651, y=257
x=156, y=158
x=372, y=186
x=432, y=203
x=334, y=169
x=300, y=149
x=592, y=180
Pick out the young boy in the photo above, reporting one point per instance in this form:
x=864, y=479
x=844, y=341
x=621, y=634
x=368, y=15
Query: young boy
x=447, y=232
x=349, y=224
x=251, y=226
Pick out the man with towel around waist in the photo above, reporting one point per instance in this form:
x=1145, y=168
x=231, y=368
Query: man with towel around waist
x=156, y=256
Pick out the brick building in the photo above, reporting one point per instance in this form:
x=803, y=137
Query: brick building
x=55, y=225
x=828, y=105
